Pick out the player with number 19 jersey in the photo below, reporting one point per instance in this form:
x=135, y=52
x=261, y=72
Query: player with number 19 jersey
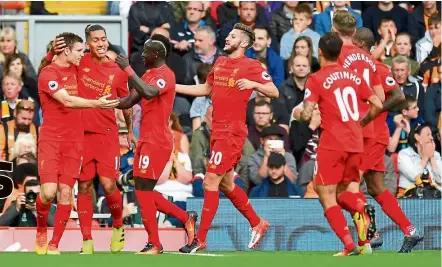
x=155, y=143
x=339, y=92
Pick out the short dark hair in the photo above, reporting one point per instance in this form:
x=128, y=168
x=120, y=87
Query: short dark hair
x=202, y=71
x=386, y=19
x=31, y=183
x=240, y=2
x=24, y=170
x=330, y=45
x=304, y=8
x=265, y=28
x=409, y=99
x=163, y=48
x=434, y=19
x=70, y=39
x=263, y=103
x=93, y=28
x=247, y=31
x=365, y=35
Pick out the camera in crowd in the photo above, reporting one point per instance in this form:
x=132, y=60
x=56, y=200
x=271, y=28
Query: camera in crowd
x=126, y=181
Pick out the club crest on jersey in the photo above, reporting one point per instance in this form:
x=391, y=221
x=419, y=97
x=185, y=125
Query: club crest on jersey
x=235, y=71
x=307, y=93
x=64, y=79
x=161, y=83
x=265, y=76
x=53, y=85
x=86, y=69
x=390, y=81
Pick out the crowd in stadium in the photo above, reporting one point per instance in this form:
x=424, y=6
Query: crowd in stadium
x=408, y=38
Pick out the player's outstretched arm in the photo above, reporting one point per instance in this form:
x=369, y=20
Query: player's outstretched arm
x=396, y=98
x=194, y=90
x=130, y=100
x=268, y=89
x=373, y=112
x=69, y=101
x=307, y=112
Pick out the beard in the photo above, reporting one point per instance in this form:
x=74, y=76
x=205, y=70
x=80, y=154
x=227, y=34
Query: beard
x=232, y=49
x=22, y=127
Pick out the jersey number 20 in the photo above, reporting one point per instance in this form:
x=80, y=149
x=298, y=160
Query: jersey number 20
x=216, y=158
x=342, y=98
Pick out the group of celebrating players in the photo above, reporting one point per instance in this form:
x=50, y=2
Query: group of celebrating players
x=79, y=136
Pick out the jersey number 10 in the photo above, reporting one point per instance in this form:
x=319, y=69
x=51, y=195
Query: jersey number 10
x=342, y=98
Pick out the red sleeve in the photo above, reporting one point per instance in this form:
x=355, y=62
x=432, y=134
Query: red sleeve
x=49, y=81
x=375, y=79
x=160, y=82
x=211, y=76
x=311, y=91
x=365, y=91
x=388, y=82
x=257, y=73
x=122, y=86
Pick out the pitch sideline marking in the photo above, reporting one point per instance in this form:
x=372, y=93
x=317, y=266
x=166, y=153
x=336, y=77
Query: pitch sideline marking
x=195, y=254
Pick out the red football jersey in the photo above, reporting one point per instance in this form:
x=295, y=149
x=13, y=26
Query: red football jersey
x=59, y=122
x=97, y=79
x=338, y=92
x=230, y=104
x=356, y=59
x=156, y=111
x=380, y=124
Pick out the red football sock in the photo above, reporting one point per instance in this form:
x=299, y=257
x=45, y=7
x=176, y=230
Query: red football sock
x=391, y=207
x=42, y=214
x=241, y=202
x=148, y=215
x=339, y=225
x=167, y=207
x=351, y=203
x=85, y=211
x=115, y=204
x=210, y=206
x=61, y=218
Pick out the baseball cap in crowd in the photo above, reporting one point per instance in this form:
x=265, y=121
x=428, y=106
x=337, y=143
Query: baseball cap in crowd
x=271, y=130
x=275, y=160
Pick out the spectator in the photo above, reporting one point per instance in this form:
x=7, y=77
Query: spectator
x=301, y=22
x=173, y=60
x=12, y=95
x=16, y=63
x=304, y=140
x=323, y=21
x=180, y=8
x=428, y=71
x=419, y=160
x=304, y=46
x=200, y=104
x=402, y=47
x=248, y=15
x=21, y=124
x=144, y=17
x=385, y=47
x=280, y=115
x=204, y=51
x=21, y=175
x=373, y=15
x=418, y=23
x=198, y=180
x=433, y=107
x=401, y=73
x=8, y=46
x=292, y=90
x=257, y=166
x=200, y=150
x=22, y=211
x=262, y=51
x=276, y=184
x=23, y=145
x=262, y=118
x=281, y=20
x=401, y=124
x=228, y=12
x=182, y=32
x=431, y=39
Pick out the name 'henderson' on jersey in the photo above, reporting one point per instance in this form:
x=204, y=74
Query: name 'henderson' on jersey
x=230, y=104
x=338, y=92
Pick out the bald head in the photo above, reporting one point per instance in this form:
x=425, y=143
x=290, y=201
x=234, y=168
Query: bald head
x=363, y=38
x=161, y=31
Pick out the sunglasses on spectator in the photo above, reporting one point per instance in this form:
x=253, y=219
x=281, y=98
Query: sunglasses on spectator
x=194, y=9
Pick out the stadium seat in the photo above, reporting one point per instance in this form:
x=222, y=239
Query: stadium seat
x=75, y=7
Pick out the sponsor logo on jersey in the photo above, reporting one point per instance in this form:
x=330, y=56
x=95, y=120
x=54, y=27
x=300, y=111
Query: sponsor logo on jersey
x=161, y=83
x=53, y=85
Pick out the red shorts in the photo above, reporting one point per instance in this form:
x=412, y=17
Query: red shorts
x=333, y=167
x=150, y=160
x=225, y=153
x=373, y=156
x=59, y=162
x=101, y=155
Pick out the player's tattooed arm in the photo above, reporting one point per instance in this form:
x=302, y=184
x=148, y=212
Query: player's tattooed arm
x=307, y=113
x=373, y=112
x=129, y=101
x=396, y=98
x=128, y=113
x=143, y=89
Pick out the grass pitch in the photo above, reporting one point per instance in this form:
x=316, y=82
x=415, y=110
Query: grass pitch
x=225, y=259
